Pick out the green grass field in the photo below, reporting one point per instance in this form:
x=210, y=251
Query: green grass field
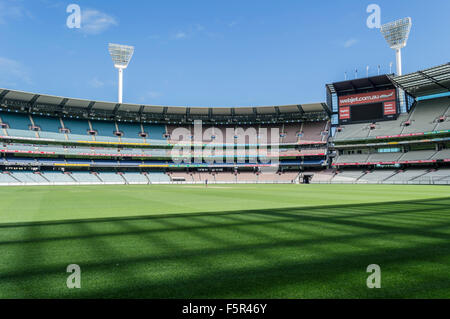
x=236, y=241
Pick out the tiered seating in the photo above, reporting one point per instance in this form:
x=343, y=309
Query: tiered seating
x=291, y=131
x=269, y=135
x=28, y=177
x=49, y=127
x=78, y=129
x=425, y=115
x=354, y=158
x=312, y=131
x=417, y=155
x=226, y=177
x=424, y=118
x=248, y=177
x=389, y=128
x=377, y=176
x=111, y=177
x=268, y=177
x=158, y=177
x=7, y=178
x=406, y=176
x=16, y=121
x=248, y=134
x=180, y=175
x=445, y=125
x=173, y=137
x=289, y=176
x=434, y=176
x=444, y=181
x=322, y=177
x=392, y=157
x=384, y=157
x=105, y=131
x=135, y=178
x=348, y=176
x=58, y=177
x=19, y=124
x=85, y=177
x=351, y=132
x=155, y=132
x=441, y=155
x=130, y=132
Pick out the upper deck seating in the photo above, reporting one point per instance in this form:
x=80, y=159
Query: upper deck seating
x=18, y=124
x=312, y=131
x=49, y=127
x=353, y=131
x=425, y=115
x=78, y=129
x=291, y=131
x=155, y=131
x=105, y=131
x=130, y=132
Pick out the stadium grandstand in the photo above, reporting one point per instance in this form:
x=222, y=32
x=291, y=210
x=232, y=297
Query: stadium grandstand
x=382, y=129
x=404, y=139
x=55, y=140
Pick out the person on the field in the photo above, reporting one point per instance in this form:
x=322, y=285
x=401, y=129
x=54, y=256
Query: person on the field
x=206, y=182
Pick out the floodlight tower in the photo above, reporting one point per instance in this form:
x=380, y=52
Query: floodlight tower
x=121, y=56
x=396, y=34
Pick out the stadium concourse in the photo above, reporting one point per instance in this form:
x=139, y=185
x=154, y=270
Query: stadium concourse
x=383, y=129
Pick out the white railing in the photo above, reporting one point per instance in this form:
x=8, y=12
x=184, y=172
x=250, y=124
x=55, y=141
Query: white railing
x=142, y=183
x=419, y=182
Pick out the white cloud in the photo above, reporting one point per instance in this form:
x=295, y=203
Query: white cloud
x=180, y=35
x=96, y=22
x=350, y=42
x=11, y=10
x=13, y=73
x=191, y=31
x=96, y=83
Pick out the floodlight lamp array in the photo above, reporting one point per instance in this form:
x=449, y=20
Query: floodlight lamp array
x=120, y=54
x=397, y=32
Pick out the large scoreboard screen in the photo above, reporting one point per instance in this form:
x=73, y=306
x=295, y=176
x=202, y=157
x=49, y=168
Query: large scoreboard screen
x=368, y=107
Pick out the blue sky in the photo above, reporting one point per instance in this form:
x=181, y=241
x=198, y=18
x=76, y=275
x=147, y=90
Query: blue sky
x=208, y=52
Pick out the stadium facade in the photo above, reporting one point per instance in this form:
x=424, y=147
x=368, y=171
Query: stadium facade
x=382, y=129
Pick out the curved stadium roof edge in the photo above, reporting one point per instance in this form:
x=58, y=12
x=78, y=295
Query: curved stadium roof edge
x=44, y=99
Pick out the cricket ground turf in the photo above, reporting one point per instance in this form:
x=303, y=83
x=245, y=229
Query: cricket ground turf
x=225, y=241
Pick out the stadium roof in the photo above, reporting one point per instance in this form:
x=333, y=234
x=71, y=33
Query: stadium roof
x=427, y=82
x=360, y=85
x=43, y=103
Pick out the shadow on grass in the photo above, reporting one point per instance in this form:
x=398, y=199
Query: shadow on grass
x=309, y=252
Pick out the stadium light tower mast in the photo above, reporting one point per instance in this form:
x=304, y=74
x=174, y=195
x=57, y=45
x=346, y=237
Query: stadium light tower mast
x=396, y=34
x=121, y=56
